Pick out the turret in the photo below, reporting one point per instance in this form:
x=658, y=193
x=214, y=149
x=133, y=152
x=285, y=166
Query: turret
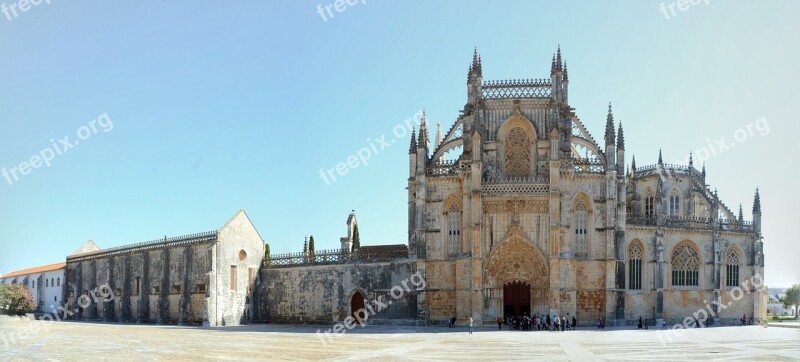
x=620, y=151
x=559, y=78
x=474, y=77
x=610, y=138
x=757, y=213
x=422, y=146
x=412, y=154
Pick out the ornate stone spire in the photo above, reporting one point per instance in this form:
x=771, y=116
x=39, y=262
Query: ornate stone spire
x=704, y=170
x=413, y=147
x=660, y=159
x=633, y=164
x=691, y=162
x=422, y=140
x=553, y=65
x=610, y=138
x=757, y=203
x=620, y=138
x=439, y=137
x=558, y=58
x=741, y=215
x=566, y=75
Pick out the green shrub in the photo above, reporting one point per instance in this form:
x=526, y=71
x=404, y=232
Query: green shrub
x=16, y=299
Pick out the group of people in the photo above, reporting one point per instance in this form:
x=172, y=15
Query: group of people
x=537, y=322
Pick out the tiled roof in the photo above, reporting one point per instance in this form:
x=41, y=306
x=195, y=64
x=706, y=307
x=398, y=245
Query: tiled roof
x=40, y=269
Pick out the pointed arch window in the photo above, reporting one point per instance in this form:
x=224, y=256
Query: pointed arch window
x=674, y=204
x=581, y=216
x=732, y=262
x=685, y=265
x=649, y=206
x=635, y=267
x=453, y=230
x=517, y=153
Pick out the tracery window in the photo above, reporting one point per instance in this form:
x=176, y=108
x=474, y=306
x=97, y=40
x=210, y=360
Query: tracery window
x=517, y=153
x=732, y=262
x=453, y=230
x=674, y=205
x=685, y=265
x=649, y=206
x=581, y=214
x=635, y=267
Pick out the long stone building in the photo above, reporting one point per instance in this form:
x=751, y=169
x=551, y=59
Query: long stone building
x=516, y=209
x=204, y=278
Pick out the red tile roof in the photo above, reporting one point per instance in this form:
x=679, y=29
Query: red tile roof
x=40, y=269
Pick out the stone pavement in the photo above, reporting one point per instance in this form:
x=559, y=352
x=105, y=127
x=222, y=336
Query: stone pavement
x=73, y=341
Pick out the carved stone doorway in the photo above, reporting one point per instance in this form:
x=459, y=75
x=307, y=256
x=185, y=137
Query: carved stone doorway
x=517, y=299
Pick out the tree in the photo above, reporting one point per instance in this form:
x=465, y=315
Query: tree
x=266, y=254
x=16, y=299
x=356, y=239
x=792, y=297
x=311, y=254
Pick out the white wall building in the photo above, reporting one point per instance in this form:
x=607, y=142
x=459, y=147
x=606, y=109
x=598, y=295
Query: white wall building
x=44, y=282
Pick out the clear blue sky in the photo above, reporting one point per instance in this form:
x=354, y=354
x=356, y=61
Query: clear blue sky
x=220, y=106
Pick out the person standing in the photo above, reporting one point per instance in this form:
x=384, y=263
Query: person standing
x=556, y=323
x=640, y=323
x=470, y=324
x=499, y=322
x=646, y=322
x=547, y=326
x=574, y=323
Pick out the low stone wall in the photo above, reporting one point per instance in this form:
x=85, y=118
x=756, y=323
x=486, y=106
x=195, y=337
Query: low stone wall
x=323, y=294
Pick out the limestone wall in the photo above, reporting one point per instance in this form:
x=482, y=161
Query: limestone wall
x=322, y=294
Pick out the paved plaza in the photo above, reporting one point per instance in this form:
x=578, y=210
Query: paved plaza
x=73, y=341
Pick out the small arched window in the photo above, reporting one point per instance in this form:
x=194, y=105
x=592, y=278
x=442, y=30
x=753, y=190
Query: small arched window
x=59, y=281
x=52, y=282
x=674, y=204
x=685, y=265
x=635, y=266
x=649, y=206
x=453, y=230
x=581, y=216
x=732, y=262
x=47, y=283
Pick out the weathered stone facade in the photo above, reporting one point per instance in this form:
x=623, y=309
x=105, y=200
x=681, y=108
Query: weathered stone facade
x=517, y=199
x=193, y=279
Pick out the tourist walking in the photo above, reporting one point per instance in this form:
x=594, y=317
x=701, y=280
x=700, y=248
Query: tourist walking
x=640, y=323
x=574, y=323
x=470, y=324
x=547, y=326
x=556, y=323
x=499, y=322
x=646, y=322
x=744, y=320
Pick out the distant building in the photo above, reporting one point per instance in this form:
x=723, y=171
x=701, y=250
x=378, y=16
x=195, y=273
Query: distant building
x=203, y=278
x=44, y=282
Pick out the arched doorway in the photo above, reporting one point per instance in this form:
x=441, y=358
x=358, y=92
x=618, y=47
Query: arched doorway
x=356, y=304
x=516, y=278
x=517, y=299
